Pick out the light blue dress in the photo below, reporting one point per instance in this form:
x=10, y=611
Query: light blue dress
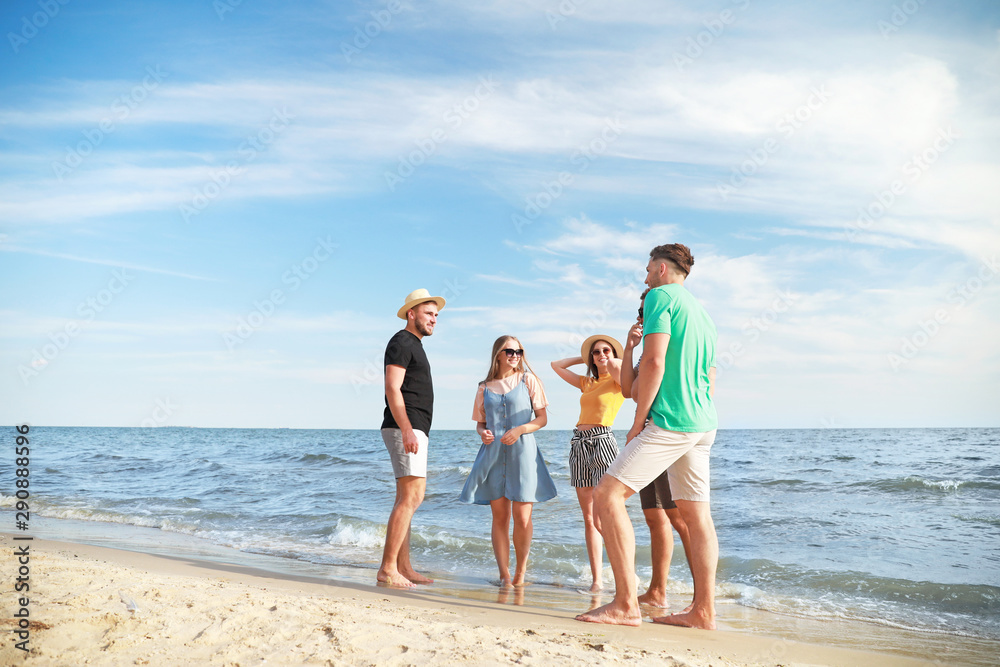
x=514, y=471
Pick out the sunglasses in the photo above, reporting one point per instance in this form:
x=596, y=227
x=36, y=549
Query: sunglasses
x=604, y=350
x=511, y=353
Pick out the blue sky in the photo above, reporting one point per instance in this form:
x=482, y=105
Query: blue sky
x=210, y=212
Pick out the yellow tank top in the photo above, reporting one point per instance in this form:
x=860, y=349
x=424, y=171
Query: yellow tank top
x=600, y=401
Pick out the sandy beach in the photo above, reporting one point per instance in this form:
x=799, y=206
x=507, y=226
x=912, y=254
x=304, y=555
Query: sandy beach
x=98, y=606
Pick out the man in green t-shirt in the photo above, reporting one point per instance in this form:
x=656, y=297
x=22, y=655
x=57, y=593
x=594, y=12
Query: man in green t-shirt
x=673, y=390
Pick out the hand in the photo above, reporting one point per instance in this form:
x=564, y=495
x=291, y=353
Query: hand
x=410, y=445
x=511, y=436
x=634, y=335
x=487, y=436
x=634, y=431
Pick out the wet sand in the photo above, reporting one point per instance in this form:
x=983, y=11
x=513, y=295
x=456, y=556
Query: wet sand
x=101, y=606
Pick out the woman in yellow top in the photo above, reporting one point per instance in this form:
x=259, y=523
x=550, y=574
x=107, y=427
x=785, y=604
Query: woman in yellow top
x=593, y=446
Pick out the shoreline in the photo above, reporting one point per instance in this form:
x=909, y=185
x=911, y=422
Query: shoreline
x=225, y=614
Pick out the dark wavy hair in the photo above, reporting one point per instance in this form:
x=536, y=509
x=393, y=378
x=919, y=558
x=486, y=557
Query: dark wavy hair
x=677, y=254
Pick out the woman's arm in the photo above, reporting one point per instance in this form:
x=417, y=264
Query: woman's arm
x=627, y=373
x=485, y=434
x=561, y=366
x=540, y=420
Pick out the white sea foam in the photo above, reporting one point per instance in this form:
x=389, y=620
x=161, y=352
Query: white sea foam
x=346, y=534
x=938, y=485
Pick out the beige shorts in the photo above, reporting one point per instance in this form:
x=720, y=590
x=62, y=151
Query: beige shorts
x=405, y=464
x=683, y=455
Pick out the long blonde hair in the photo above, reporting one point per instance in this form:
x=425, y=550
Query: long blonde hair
x=498, y=345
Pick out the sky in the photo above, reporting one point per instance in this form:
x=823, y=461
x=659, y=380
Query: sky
x=211, y=211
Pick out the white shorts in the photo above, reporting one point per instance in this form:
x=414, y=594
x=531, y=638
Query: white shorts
x=683, y=455
x=405, y=464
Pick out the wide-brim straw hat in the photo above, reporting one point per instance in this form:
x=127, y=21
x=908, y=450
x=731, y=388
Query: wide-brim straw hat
x=417, y=297
x=587, y=344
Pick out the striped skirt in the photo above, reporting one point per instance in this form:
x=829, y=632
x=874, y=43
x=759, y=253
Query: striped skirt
x=590, y=454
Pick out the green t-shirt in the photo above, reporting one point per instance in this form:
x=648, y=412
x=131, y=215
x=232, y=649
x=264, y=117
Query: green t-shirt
x=683, y=402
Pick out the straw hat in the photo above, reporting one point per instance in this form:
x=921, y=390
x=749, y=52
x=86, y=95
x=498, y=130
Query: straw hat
x=417, y=297
x=585, y=348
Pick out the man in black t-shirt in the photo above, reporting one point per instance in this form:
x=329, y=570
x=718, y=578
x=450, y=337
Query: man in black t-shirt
x=409, y=405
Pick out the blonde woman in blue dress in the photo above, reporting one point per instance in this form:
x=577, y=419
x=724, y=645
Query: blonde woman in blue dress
x=509, y=473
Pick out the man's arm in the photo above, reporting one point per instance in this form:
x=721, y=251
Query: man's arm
x=650, y=375
x=615, y=369
x=394, y=397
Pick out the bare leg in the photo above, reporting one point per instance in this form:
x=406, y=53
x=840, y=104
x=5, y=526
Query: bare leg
x=409, y=495
x=704, y=558
x=500, y=536
x=619, y=539
x=523, y=530
x=677, y=521
x=595, y=544
x=661, y=546
x=404, y=566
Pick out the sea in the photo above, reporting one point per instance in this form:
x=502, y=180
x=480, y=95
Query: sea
x=892, y=533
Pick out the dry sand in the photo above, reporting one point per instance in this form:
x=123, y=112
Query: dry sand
x=186, y=612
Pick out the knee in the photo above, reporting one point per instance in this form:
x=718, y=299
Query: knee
x=411, y=499
x=678, y=522
x=694, y=514
x=605, y=495
x=501, y=517
x=655, y=519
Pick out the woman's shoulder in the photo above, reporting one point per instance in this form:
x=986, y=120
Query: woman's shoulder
x=529, y=377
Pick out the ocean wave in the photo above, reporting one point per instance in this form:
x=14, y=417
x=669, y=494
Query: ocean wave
x=325, y=460
x=864, y=611
x=355, y=534
x=459, y=471
x=992, y=519
x=151, y=516
x=915, y=483
x=976, y=599
x=773, y=482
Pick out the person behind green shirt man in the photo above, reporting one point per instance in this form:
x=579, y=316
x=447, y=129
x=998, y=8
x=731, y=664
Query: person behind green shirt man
x=674, y=391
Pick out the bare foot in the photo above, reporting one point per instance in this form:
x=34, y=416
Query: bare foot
x=505, y=582
x=393, y=579
x=596, y=587
x=416, y=577
x=612, y=614
x=654, y=599
x=691, y=619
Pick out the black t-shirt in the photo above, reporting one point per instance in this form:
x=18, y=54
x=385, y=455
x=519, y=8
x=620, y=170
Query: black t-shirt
x=405, y=349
